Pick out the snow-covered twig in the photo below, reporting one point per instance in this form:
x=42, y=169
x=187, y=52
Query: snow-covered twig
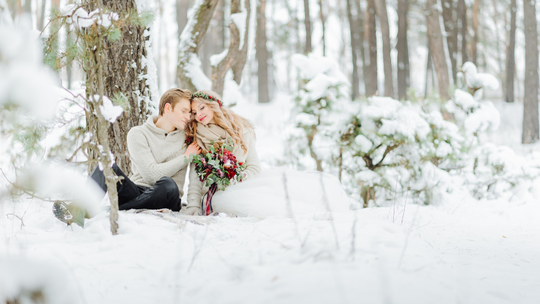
x=289, y=208
x=327, y=205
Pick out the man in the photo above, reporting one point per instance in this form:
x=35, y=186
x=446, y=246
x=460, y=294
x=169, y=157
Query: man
x=158, y=159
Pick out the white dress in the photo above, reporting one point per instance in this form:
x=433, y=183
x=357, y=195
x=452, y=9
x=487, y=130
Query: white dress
x=283, y=192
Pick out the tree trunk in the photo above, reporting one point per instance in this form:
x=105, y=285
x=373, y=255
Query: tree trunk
x=370, y=77
x=241, y=56
x=450, y=17
x=530, y=99
x=382, y=14
x=262, y=53
x=323, y=21
x=12, y=6
x=122, y=74
x=402, y=46
x=307, y=23
x=27, y=8
x=237, y=53
x=182, y=7
x=437, y=49
x=41, y=15
x=462, y=24
x=355, y=46
x=361, y=42
x=510, y=57
x=476, y=9
x=429, y=71
x=192, y=36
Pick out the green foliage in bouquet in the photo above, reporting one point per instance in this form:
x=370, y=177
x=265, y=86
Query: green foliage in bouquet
x=218, y=165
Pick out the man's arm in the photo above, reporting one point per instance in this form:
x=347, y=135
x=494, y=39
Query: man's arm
x=147, y=166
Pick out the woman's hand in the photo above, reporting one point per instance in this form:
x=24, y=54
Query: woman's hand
x=192, y=149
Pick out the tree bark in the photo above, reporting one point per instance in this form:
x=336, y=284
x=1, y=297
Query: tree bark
x=530, y=99
x=463, y=29
x=122, y=70
x=355, y=46
x=437, y=49
x=27, y=8
x=262, y=53
x=236, y=55
x=307, y=24
x=323, y=21
x=370, y=76
x=382, y=14
x=41, y=15
x=241, y=56
x=361, y=42
x=182, y=7
x=190, y=42
x=476, y=9
x=510, y=57
x=402, y=46
x=450, y=17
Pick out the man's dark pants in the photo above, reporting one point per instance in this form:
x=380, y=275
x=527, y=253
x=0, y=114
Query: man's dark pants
x=164, y=194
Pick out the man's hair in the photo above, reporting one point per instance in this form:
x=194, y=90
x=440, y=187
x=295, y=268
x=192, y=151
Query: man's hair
x=172, y=96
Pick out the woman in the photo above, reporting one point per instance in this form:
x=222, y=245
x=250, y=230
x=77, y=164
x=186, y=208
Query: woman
x=276, y=192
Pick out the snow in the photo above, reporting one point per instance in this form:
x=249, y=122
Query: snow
x=216, y=59
x=194, y=71
x=78, y=15
x=109, y=111
x=240, y=20
x=20, y=278
x=476, y=252
x=23, y=79
x=478, y=80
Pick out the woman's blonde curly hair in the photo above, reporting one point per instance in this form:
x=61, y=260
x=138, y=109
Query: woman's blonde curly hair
x=223, y=117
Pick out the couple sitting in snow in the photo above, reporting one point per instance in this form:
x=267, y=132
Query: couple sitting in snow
x=159, y=156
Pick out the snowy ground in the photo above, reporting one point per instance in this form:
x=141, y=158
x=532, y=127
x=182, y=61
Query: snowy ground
x=460, y=251
x=463, y=252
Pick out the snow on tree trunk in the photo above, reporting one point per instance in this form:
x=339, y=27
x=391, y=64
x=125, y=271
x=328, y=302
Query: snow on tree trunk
x=189, y=73
x=510, y=51
x=236, y=56
x=370, y=32
x=262, y=53
x=182, y=7
x=382, y=14
x=402, y=46
x=125, y=73
x=530, y=99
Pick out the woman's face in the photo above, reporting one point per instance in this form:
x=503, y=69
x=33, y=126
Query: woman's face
x=202, y=112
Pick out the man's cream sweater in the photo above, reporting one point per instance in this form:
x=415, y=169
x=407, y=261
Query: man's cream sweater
x=155, y=153
x=196, y=189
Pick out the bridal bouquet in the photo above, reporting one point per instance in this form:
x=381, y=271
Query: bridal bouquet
x=217, y=168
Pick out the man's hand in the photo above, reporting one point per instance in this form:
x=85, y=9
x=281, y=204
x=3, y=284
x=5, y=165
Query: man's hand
x=193, y=210
x=192, y=149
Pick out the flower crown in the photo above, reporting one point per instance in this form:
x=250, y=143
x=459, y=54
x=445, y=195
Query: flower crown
x=207, y=97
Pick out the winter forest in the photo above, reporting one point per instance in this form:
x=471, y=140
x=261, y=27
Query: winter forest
x=398, y=144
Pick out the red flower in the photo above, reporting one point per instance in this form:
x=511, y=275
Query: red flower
x=241, y=163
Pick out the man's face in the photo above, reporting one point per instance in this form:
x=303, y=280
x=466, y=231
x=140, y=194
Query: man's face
x=180, y=114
